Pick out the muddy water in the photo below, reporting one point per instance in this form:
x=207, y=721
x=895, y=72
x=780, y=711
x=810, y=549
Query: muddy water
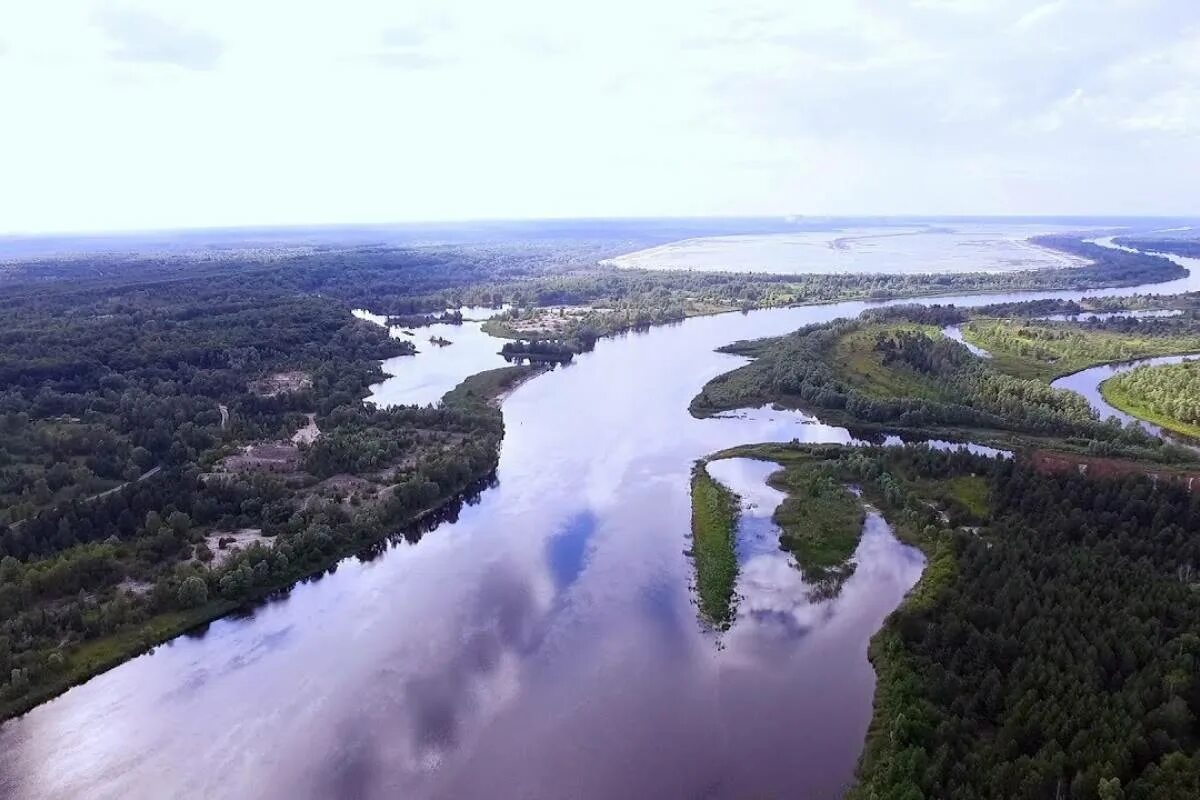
x=543, y=644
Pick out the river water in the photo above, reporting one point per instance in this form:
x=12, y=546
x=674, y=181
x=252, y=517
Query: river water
x=436, y=368
x=542, y=644
x=1087, y=383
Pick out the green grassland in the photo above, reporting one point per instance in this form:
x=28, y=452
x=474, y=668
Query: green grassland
x=1046, y=350
x=858, y=362
x=714, y=530
x=820, y=520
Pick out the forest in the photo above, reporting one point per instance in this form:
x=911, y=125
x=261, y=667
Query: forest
x=1051, y=648
x=1168, y=394
x=1052, y=653
x=902, y=379
x=1189, y=248
x=149, y=480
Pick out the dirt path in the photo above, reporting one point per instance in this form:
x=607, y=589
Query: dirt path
x=309, y=433
x=150, y=473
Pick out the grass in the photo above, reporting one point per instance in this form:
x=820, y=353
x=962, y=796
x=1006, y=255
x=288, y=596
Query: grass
x=489, y=385
x=861, y=365
x=1113, y=393
x=820, y=520
x=714, y=524
x=1046, y=351
x=971, y=492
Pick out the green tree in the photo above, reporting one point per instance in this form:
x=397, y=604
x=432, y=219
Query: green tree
x=193, y=592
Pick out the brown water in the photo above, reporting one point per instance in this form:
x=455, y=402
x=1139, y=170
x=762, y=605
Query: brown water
x=544, y=644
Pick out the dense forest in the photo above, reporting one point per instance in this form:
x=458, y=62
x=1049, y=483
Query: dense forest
x=1051, y=648
x=1050, y=654
x=153, y=472
x=1168, y=393
x=901, y=376
x=1189, y=248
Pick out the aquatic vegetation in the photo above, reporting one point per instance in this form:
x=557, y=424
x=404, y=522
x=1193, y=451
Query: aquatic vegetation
x=714, y=528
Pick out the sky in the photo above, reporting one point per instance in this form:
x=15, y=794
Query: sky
x=141, y=115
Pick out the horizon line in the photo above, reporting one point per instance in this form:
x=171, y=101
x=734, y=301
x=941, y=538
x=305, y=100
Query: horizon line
x=470, y=221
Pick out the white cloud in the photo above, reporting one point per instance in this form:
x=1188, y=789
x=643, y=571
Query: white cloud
x=1039, y=14
x=231, y=112
x=142, y=36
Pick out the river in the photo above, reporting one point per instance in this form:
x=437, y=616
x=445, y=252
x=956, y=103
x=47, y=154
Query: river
x=542, y=644
x=1087, y=383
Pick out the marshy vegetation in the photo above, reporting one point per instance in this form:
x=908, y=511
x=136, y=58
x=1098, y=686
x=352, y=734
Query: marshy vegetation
x=714, y=531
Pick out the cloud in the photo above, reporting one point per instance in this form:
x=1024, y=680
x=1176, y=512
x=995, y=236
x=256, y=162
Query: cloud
x=408, y=59
x=404, y=37
x=410, y=48
x=1039, y=14
x=706, y=107
x=142, y=37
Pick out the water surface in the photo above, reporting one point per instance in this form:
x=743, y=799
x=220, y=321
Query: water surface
x=1087, y=383
x=816, y=644
x=542, y=644
x=435, y=369
x=948, y=247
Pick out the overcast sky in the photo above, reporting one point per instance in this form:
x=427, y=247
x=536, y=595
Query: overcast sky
x=127, y=115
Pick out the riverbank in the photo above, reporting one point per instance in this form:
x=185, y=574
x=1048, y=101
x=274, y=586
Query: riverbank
x=820, y=520
x=1120, y=398
x=99, y=655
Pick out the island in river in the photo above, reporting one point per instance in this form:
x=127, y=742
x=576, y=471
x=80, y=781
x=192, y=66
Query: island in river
x=1021, y=550
x=551, y=615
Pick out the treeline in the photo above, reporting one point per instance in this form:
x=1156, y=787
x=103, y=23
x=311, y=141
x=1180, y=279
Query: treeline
x=538, y=350
x=1189, y=248
x=935, y=314
x=365, y=439
x=1106, y=267
x=798, y=369
x=451, y=317
x=1172, y=390
x=1121, y=267
x=1052, y=654
x=90, y=569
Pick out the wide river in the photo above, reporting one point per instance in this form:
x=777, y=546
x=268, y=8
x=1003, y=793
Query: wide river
x=543, y=644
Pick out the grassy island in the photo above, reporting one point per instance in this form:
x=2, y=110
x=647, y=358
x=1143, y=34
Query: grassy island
x=714, y=531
